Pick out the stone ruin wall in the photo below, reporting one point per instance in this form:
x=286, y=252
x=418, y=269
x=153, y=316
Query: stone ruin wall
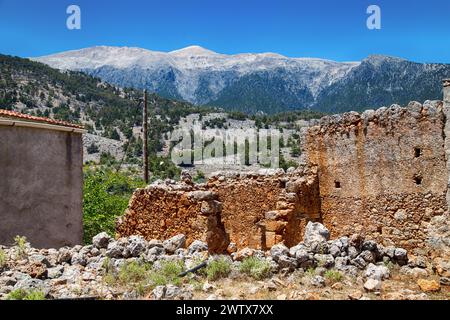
x=447, y=130
x=260, y=210
x=254, y=210
x=382, y=173
x=170, y=210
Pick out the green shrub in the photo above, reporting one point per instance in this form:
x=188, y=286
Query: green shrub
x=295, y=150
x=255, y=267
x=389, y=265
x=311, y=272
x=21, y=294
x=18, y=294
x=21, y=246
x=106, y=196
x=286, y=164
x=218, y=268
x=107, y=159
x=333, y=275
x=199, y=177
x=163, y=168
x=35, y=295
x=133, y=272
x=167, y=274
x=93, y=148
x=132, y=275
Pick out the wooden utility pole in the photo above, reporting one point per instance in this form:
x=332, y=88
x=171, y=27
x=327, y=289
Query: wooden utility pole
x=145, y=128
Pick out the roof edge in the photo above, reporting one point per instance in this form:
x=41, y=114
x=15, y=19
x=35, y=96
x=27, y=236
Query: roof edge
x=40, y=125
x=7, y=114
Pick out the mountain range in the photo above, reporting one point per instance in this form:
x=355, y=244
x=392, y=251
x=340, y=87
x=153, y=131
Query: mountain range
x=264, y=82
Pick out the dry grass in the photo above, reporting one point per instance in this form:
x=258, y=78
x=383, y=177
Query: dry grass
x=240, y=288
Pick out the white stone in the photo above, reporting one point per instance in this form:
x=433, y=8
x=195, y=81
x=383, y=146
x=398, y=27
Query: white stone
x=372, y=285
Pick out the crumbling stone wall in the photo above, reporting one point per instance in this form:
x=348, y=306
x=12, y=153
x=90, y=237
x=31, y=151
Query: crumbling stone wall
x=255, y=210
x=262, y=209
x=381, y=173
x=446, y=84
x=163, y=210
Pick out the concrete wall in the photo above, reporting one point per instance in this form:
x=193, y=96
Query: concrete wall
x=382, y=173
x=41, y=183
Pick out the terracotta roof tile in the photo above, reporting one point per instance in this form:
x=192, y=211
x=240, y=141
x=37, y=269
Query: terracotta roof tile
x=26, y=117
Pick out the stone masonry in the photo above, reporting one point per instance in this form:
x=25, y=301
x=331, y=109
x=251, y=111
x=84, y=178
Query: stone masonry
x=383, y=174
x=277, y=206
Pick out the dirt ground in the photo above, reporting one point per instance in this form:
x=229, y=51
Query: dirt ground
x=298, y=286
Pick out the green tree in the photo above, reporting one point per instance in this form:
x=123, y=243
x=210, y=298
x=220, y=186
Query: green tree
x=106, y=196
x=115, y=135
x=93, y=148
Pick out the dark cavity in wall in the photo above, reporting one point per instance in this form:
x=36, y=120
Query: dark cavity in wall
x=418, y=180
x=417, y=152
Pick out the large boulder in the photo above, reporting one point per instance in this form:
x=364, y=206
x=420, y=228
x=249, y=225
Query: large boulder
x=324, y=260
x=136, y=245
x=64, y=256
x=279, y=250
x=79, y=258
x=197, y=246
x=285, y=262
x=29, y=284
x=316, y=232
x=377, y=272
x=159, y=292
x=101, y=240
x=115, y=250
x=174, y=243
x=40, y=259
x=401, y=256
x=372, y=285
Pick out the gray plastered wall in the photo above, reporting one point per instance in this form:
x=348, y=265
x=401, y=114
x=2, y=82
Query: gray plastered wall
x=41, y=186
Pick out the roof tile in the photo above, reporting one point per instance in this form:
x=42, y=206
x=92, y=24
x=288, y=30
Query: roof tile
x=26, y=117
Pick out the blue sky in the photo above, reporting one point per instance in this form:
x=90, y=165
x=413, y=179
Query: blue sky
x=334, y=29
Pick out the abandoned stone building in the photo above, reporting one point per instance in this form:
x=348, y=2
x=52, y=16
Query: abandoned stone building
x=381, y=173
x=41, y=180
